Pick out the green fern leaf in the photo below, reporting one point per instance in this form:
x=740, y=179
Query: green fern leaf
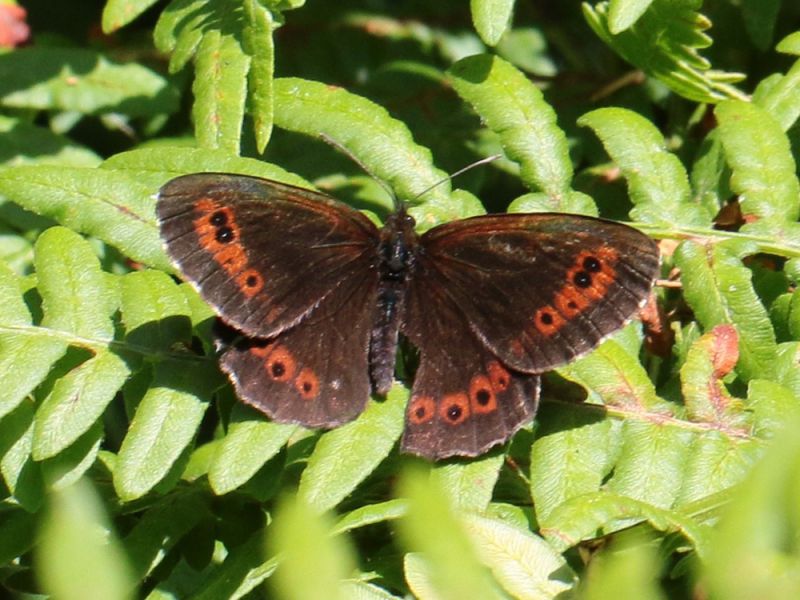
x=664, y=43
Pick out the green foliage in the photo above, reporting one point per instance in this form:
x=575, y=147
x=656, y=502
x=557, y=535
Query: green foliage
x=76, y=539
x=663, y=41
x=124, y=455
x=303, y=538
x=233, y=62
x=515, y=109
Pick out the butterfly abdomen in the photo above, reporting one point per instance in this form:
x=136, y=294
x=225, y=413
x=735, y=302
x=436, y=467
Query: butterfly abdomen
x=396, y=257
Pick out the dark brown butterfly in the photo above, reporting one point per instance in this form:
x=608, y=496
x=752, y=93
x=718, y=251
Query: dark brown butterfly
x=320, y=296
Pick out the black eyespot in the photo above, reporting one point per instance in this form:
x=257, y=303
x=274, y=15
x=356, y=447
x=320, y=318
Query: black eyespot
x=546, y=318
x=420, y=412
x=582, y=279
x=251, y=281
x=483, y=397
x=454, y=412
x=278, y=369
x=571, y=304
x=224, y=235
x=306, y=387
x=219, y=218
x=591, y=264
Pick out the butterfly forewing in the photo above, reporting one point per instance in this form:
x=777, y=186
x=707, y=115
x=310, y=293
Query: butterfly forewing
x=263, y=254
x=541, y=289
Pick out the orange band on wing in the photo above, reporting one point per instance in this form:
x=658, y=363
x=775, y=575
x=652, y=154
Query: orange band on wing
x=587, y=282
x=219, y=235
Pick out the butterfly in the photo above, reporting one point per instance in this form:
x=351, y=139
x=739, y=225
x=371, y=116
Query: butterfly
x=320, y=297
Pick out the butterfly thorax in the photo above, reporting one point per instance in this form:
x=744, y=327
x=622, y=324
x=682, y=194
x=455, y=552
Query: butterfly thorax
x=396, y=257
x=397, y=245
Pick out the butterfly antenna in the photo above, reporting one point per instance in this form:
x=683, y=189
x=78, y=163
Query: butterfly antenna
x=341, y=148
x=477, y=163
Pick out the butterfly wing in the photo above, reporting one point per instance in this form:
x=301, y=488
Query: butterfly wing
x=464, y=400
x=293, y=270
x=261, y=253
x=495, y=300
x=541, y=289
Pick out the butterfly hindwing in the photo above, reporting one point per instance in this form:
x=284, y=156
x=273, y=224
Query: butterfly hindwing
x=463, y=403
x=541, y=289
x=464, y=400
x=263, y=254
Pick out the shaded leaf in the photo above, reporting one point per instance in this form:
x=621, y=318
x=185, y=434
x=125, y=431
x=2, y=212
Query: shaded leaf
x=664, y=43
x=160, y=528
x=21, y=475
x=759, y=17
x=243, y=569
x=25, y=144
x=80, y=80
x=17, y=534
